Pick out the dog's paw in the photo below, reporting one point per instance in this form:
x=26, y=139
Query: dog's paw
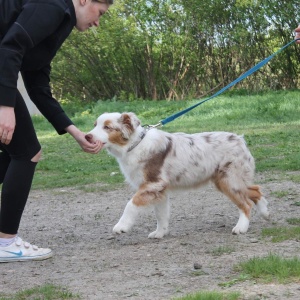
x=242, y=224
x=158, y=234
x=238, y=230
x=265, y=214
x=262, y=207
x=121, y=228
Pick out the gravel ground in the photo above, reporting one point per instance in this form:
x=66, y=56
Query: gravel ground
x=92, y=262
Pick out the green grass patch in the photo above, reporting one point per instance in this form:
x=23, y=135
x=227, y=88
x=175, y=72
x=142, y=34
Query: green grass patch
x=280, y=234
x=211, y=295
x=295, y=178
x=240, y=278
x=272, y=268
x=222, y=250
x=45, y=292
x=293, y=221
x=280, y=194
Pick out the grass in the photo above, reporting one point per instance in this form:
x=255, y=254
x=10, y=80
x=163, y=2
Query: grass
x=293, y=221
x=272, y=268
x=211, y=295
x=280, y=194
x=222, y=250
x=270, y=123
x=280, y=234
x=45, y=292
x=269, y=269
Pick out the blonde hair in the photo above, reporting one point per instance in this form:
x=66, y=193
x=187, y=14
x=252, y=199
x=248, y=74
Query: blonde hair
x=104, y=1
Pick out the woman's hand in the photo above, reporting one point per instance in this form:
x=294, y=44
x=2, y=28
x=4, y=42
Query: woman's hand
x=89, y=147
x=7, y=124
x=297, y=36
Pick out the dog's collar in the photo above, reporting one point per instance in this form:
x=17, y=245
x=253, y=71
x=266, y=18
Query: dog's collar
x=141, y=136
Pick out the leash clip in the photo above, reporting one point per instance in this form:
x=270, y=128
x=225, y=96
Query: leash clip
x=148, y=127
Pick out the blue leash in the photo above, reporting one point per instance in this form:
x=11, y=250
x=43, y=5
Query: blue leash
x=243, y=76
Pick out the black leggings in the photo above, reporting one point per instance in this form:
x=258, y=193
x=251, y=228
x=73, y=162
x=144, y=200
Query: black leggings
x=17, y=169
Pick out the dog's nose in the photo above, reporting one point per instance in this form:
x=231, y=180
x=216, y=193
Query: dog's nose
x=89, y=137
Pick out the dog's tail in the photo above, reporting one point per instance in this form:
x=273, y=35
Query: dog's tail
x=261, y=203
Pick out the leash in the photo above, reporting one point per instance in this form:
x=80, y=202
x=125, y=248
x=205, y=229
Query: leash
x=243, y=76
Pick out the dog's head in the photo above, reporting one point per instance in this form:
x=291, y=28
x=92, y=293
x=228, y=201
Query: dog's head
x=114, y=129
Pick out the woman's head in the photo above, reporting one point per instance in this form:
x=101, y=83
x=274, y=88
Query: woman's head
x=88, y=12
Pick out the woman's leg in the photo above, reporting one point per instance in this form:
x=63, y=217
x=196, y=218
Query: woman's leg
x=17, y=172
x=4, y=163
x=15, y=191
x=16, y=176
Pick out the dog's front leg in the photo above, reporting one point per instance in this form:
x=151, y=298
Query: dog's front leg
x=128, y=218
x=162, y=212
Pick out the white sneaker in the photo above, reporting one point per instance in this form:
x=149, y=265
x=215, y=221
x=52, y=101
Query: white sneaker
x=20, y=250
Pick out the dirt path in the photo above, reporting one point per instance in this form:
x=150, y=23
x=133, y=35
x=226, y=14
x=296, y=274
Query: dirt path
x=91, y=261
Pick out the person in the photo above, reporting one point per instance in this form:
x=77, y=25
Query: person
x=31, y=32
x=297, y=34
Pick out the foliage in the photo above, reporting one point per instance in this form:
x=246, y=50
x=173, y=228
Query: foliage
x=176, y=49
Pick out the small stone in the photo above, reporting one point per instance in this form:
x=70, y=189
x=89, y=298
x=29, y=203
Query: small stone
x=197, y=266
x=157, y=274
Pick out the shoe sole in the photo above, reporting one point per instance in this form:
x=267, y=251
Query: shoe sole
x=26, y=258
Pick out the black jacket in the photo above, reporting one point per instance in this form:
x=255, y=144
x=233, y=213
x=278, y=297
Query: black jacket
x=31, y=32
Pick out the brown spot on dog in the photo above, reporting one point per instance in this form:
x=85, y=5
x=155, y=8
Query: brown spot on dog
x=126, y=120
x=226, y=166
x=116, y=137
x=208, y=138
x=191, y=141
x=153, y=166
x=232, y=137
x=221, y=172
x=149, y=194
x=107, y=124
x=181, y=175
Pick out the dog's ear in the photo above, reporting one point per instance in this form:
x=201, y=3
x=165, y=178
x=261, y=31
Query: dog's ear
x=129, y=123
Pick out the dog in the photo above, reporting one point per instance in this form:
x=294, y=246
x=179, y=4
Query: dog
x=155, y=162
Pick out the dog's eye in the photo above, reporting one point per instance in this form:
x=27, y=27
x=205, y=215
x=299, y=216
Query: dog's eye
x=106, y=128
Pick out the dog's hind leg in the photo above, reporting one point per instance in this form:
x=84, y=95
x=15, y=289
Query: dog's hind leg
x=162, y=212
x=261, y=203
x=240, y=198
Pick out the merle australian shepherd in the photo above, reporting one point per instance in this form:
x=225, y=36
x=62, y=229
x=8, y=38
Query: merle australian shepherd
x=155, y=162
